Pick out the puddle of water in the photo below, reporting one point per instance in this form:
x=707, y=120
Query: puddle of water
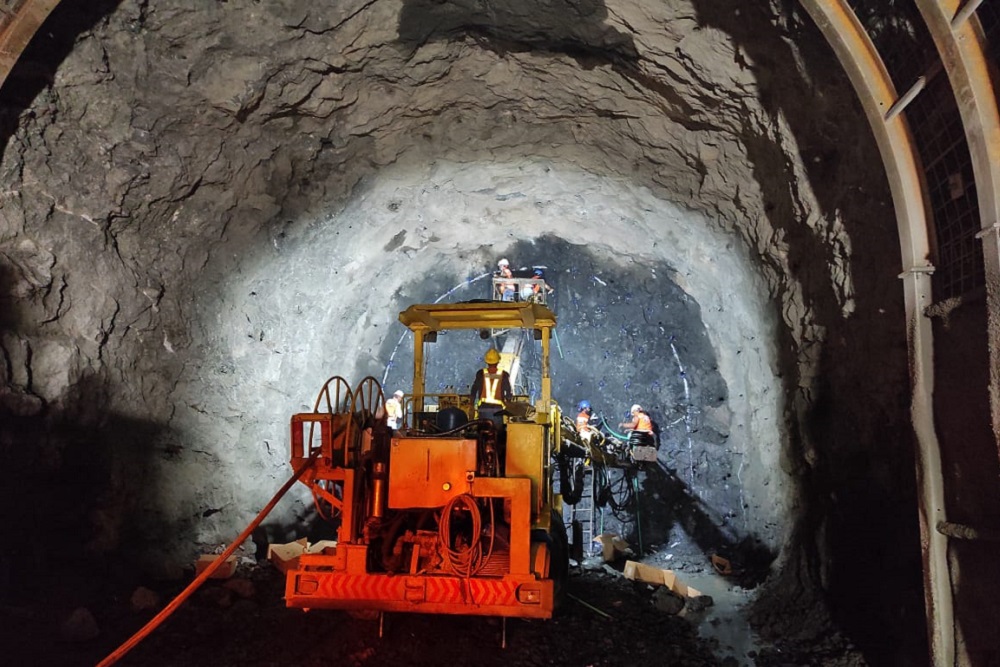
x=725, y=621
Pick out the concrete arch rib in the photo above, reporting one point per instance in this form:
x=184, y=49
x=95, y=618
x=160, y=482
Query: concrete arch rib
x=963, y=52
x=870, y=79
x=19, y=20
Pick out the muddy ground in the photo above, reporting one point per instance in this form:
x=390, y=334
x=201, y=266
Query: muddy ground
x=606, y=620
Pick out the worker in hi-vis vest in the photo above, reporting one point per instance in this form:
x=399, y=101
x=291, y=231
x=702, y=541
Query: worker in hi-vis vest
x=508, y=288
x=490, y=393
x=640, y=427
x=394, y=410
x=583, y=426
x=492, y=386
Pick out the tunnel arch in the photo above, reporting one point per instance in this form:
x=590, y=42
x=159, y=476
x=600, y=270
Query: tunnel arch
x=677, y=175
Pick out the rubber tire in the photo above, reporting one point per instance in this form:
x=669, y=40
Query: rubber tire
x=559, y=559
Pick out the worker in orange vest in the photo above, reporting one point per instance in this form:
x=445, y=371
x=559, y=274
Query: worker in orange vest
x=583, y=426
x=507, y=288
x=640, y=428
x=542, y=285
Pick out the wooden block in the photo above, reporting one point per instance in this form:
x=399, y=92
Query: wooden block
x=322, y=547
x=657, y=577
x=611, y=546
x=285, y=557
x=226, y=570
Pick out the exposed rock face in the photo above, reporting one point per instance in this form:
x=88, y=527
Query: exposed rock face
x=208, y=211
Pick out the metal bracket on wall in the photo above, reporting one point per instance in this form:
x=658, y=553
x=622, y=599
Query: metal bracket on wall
x=904, y=100
x=985, y=231
x=927, y=269
x=962, y=532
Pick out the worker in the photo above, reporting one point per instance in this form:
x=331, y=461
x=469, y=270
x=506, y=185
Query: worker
x=537, y=287
x=491, y=386
x=583, y=426
x=640, y=428
x=394, y=410
x=490, y=392
x=507, y=288
x=491, y=389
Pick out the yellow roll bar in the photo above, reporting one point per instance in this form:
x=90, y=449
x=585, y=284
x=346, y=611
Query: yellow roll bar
x=424, y=319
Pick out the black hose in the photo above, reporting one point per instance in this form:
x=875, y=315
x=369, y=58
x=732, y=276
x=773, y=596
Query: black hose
x=572, y=491
x=437, y=434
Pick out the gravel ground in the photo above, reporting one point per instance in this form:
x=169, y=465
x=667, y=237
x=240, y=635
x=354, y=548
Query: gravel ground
x=606, y=620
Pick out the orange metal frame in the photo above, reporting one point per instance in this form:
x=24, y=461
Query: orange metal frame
x=340, y=581
x=428, y=474
x=322, y=469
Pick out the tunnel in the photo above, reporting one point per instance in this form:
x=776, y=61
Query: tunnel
x=210, y=208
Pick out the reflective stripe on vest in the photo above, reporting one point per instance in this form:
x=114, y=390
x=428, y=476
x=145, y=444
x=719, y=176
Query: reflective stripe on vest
x=491, y=388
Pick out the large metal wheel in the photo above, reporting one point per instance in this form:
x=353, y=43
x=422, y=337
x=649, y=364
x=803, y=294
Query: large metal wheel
x=335, y=397
x=368, y=401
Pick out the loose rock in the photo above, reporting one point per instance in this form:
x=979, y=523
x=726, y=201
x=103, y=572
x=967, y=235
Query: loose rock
x=667, y=601
x=81, y=626
x=143, y=599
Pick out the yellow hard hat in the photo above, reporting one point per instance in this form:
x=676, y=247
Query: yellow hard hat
x=492, y=356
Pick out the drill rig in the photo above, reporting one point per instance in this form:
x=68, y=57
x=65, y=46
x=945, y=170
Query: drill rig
x=448, y=514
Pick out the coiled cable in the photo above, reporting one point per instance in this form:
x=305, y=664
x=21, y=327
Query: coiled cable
x=468, y=560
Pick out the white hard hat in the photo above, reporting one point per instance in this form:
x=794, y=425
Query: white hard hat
x=635, y=408
x=398, y=393
x=503, y=262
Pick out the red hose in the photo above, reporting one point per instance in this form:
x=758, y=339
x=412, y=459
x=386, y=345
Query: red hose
x=165, y=613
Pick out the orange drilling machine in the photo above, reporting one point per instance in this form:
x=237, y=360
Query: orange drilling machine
x=449, y=513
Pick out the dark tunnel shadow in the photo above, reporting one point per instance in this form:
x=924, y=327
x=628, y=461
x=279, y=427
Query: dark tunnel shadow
x=35, y=68
x=666, y=496
x=75, y=491
x=574, y=28
x=71, y=510
x=846, y=488
x=8, y=278
x=75, y=484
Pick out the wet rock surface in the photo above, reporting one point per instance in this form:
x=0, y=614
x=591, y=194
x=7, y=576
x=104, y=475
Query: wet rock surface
x=627, y=333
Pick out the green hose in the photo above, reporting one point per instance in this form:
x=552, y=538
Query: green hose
x=612, y=431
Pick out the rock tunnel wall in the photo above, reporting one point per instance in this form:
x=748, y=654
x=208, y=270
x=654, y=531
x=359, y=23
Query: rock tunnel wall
x=191, y=191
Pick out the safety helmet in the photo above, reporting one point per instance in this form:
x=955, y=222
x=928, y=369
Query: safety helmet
x=398, y=393
x=503, y=262
x=635, y=408
x=584, y=405
x=492, y=356
x=539, y=273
